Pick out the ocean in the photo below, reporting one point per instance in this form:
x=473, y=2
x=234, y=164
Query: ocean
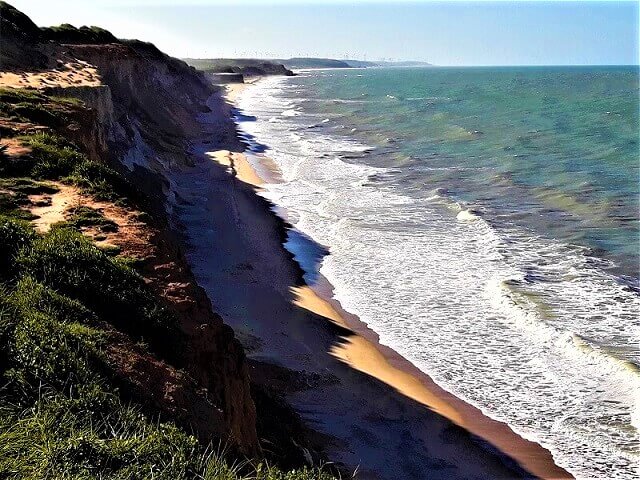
x=485, y=222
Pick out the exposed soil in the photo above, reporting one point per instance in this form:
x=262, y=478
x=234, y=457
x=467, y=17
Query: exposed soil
x=67, y=74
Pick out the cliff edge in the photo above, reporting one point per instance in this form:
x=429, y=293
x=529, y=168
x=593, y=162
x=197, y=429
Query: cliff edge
x=83, y=100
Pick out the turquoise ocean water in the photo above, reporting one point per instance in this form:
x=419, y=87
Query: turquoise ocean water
x=485, y=223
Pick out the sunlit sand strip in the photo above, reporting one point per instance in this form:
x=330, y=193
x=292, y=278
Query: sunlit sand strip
x=239, y=166
x=365, y=357
x=363, y=352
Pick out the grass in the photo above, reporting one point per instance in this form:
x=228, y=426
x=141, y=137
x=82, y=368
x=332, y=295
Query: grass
x=14, y=196
x=54, y=157
x=68, y=262
x=82, y=216
x=23, y=105
x=14, y=236
x=10, y=96
x=60, y=415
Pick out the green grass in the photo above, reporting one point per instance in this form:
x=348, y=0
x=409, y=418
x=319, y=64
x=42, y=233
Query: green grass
x=60, y=414
x=14, y=236
x=101, y=181
x=14, y=196
x=14, y=96
x=93, y=436
x=17, y=95
x=59, y=417
x=54, y=157
x=30, y=106
x=27, y=186
x=68, y=262
x=82, y=216
x=11, y=206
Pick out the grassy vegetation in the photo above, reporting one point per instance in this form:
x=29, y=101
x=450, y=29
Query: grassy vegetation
x=14, y=235
x=81, y=216
x=67, y=33
x=60, y=414
x=28, y=106
x=14, y=196
x=69, y=263
x=54, y=157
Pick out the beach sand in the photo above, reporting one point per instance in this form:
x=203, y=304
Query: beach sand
x=381, y=414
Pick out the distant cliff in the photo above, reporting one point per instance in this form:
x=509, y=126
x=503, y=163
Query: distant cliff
x=309, y=62
x=283, y=66
x=244, y=66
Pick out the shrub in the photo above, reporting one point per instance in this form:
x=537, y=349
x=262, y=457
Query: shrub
x=14, y=236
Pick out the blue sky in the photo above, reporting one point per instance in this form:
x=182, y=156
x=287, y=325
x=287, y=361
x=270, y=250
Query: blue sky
x=443, y=33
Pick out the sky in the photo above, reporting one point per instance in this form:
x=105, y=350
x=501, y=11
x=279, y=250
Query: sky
x=442, y=33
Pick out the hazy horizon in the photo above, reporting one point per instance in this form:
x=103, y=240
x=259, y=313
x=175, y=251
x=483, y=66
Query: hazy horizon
x=449, y=33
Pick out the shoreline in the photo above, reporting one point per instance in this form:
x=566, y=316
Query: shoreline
x=363, y=351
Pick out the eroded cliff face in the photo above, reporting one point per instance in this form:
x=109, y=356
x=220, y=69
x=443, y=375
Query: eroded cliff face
x=146, y=115
x=140, y=112
x=93, y=129
x=160, y=107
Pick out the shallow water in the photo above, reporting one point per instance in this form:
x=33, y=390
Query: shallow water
x=484, y=222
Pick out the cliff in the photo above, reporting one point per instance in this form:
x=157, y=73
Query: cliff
x=307, y=62
x=134, y=109
x=113, y=362
x=245, y=66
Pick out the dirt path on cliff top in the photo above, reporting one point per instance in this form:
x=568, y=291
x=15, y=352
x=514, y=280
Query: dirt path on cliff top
x=131, y=235
x=50, y=208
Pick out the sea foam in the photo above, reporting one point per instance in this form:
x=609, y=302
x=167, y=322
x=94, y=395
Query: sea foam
x=499, y=316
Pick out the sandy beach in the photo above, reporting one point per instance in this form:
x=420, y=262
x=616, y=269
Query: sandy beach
x=236, y=259
x=380, y=412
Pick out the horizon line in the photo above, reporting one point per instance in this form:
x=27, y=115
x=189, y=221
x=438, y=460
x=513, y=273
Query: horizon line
x=430, y=65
